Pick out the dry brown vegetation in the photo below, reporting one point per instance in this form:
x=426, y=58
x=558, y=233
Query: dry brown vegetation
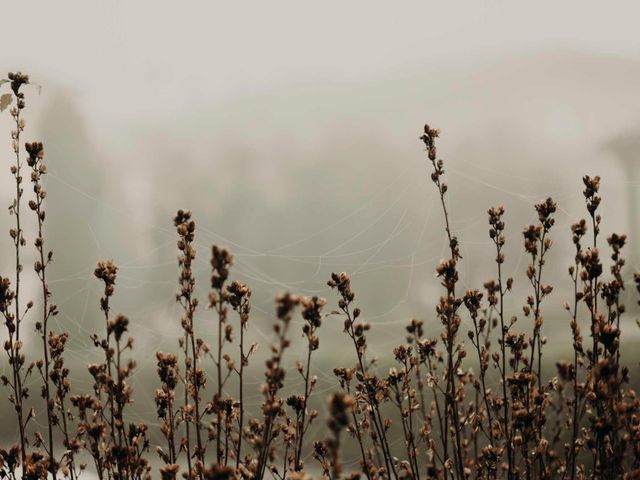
x=581, y=422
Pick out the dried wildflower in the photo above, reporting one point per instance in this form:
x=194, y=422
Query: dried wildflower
x=194, y=377
x=169, y=471
x=370, y=387
x=312, y=315
x=274, y=379
x=18, y=79
x=6, y=297
x=13, y=320
x=118, y=326
x=168, y=371
x=221, y=261
x=49, y=309
x=116, y=451
x=106, y=271
x=592, y=185
x=238, y=295
x=450, y=420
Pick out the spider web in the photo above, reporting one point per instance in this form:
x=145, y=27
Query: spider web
x=406, y=211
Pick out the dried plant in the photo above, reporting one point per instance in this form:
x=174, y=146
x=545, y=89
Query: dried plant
x=117, y=451
x=14, y=318
x=221, y=261
x=272, y=406
x=238, y=296
x=370, y=389
x=168, y=371
x=328, y=452
x=52, y=369
x=194, y=379
x=432, y=415
x=447, y=311
x=312, y=315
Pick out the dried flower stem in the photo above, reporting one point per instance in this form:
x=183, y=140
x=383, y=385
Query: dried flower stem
x=14, y=321
x=578, y=231
x=221, y=261
x=537, y=245
x=194, y=378
x=496, y=233
x=274, y=375
x=370, y=384
x=448, y=306
x=239, y=295
x=165, y=399
x=312, y=314
x=38, y=168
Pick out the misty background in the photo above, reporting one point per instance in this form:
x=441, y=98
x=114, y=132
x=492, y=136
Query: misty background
x=291, y=131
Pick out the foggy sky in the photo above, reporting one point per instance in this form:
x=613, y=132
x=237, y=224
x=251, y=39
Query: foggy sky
x=145, y=59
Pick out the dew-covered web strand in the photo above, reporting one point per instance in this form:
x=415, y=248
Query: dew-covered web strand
x=246, y=270
x=423, y=257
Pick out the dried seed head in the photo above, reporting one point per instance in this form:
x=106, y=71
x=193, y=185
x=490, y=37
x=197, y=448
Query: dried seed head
x=106, y=271
x=17, y=80
x=221, y=261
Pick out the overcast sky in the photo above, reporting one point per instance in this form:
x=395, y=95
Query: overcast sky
x=153, y=57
